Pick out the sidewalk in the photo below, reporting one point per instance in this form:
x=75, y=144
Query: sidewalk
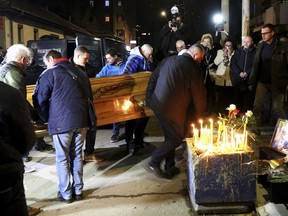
x=120, y=185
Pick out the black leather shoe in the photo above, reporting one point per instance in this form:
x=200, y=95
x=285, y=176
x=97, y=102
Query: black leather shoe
x=173, y=172
x=77, y=196
x=60, y=198
x=26, y=158
x=156, y=171
x=132, y=151
x=142, y=145
x=44, y=147
x=131, y=147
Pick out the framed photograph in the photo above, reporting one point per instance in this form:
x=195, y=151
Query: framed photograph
x=279, y=140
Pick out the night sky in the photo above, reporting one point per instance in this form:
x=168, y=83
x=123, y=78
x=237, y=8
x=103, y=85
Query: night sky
x=197, y=17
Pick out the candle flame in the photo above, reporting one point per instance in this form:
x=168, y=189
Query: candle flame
x=228, y=140
x=126, y=105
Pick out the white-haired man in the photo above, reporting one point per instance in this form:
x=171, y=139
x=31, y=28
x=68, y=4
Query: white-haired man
x=12, y=73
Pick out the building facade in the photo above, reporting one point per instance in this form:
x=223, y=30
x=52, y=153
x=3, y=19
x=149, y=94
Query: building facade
x=21, y=21
x=268, y=11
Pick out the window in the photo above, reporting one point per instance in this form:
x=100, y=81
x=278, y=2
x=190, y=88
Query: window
x=20, y=33
x=107, y=19
x=119, y=18
x=107, y=3
x=91, y=3
x=119, y=3
x=36, y=34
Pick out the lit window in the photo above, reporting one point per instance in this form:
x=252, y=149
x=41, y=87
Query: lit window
x=107, y=19
x=107, y=3
x=91, y=3
x=119, y=3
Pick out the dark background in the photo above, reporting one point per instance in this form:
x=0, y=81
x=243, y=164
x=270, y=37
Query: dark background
x=196, y=15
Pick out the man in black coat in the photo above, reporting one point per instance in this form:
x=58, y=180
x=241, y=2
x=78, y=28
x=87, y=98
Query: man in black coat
x=17, y=137
x=61, y=98
x=172, y=32
x=175, y=83
x=269, y=73
x=80, y=60
x=241, y=65
x=32, y=73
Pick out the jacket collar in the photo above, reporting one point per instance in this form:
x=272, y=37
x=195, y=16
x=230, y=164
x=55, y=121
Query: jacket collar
x=56, y=61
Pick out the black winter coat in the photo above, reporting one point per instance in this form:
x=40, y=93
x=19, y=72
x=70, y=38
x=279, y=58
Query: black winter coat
x=175, y=83
x=169, y=38
x=88, y=69
x=242, y=61
x=32, y=72
x=59, y=99
x=279, y=66
x=17, y=134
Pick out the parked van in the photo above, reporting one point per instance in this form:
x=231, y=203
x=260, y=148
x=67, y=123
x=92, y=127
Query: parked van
x=96, y=45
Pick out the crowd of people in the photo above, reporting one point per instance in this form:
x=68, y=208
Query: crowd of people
x=194, y=81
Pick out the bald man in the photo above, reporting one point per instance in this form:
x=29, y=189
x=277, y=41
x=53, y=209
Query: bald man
x=180, y=47
x=241, y=65
x=140, y=60
x=175, y=83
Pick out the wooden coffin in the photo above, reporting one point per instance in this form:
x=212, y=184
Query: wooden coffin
x=117, y=98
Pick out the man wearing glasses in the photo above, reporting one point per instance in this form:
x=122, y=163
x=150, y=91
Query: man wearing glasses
x=269, y=73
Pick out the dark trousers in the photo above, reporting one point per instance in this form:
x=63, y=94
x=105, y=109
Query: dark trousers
x=244, y=98
x=211, y=98
x=12, y=200
x=90, y=141
x=276, y=99
x=173, y=136
x=116, y=128
x=137, y=127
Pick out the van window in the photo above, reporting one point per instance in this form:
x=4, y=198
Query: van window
x=94, y=46
x=41, y=47
x=117, y=45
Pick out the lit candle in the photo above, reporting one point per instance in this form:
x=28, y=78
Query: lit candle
x=245, y=139
x=206, y=136
x=195, y=136
x=232, y=139
x=193, y=129
x=245, y=135
x=211, y=131
x=201, y=127
x=219, y=132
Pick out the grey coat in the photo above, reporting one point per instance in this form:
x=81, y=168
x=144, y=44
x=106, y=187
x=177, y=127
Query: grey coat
x=12, y=75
